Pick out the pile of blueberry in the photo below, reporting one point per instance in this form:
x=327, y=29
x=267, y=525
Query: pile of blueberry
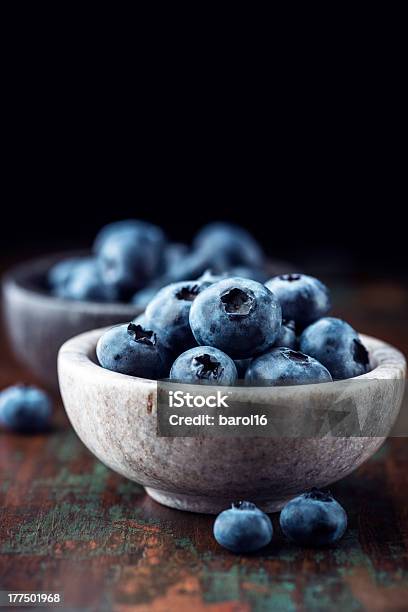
x=312, y=519
x=228, y=325
x=132, y=260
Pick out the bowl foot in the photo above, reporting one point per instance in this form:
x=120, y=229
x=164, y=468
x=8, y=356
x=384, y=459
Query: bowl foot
x=207, y=505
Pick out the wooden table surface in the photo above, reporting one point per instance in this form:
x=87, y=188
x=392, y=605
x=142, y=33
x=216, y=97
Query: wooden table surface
x=69, y=524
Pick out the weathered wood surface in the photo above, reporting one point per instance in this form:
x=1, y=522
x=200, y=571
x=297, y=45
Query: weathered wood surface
x=69, y=524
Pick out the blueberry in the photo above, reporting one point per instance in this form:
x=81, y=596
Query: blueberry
x=337, y=346
x=287, y=335
x=83, y=282
x=169, y=311
x=303, y=299
x=284, y=366
x=25, y=409
x=228, y=245
x=204, y=365
x=117, y=228
x=313, y=519
x=193, y=265
x=129, y=259
x=239, y=316
x=242, y=365
x=221, y=247
x=134, y=349
x=243, y=528
x=59, y=273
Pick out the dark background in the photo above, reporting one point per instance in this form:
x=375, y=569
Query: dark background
x=312, y=161
x=59, y=196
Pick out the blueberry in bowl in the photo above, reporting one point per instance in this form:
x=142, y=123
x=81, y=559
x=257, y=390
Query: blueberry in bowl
x=134, y=349
x=337, y=346
x=204, y=365
x=283, y=366
x=130, y=258
x=228, y=245
x=287, y=335
x=303, y=298
x=169, y=310
x=238, y=316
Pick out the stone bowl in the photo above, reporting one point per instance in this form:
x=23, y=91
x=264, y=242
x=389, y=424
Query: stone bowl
x=38, y=323
x=116, y=418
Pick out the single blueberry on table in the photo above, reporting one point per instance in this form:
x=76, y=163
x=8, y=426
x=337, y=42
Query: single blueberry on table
x=228, y=245
x=243, y=528
x=239, y=316
x=135, y=350
x=287, y=335
x=169, y=311
x=283, y=366
x=303, y=299
x=337, y=346
x=313, y=519
x=25, y=409
x=129, y=259
x=204, y=365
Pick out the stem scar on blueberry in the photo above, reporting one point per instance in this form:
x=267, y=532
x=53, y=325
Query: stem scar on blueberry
x=142, y=335
x=360, y=353
x=243, y=505
x=295, y=356
x=237, y=302
x=208, y=367
x=324, y=496
x=188, y=293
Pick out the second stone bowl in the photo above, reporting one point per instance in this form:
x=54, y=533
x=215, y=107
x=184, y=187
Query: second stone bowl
x=38, y=323
x=116, y=418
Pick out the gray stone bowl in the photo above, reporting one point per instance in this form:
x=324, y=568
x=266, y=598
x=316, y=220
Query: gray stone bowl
x=116, y=418
x=37, y=323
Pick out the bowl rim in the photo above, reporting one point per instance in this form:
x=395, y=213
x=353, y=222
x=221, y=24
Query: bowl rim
x=388, y=363
x=17, y=279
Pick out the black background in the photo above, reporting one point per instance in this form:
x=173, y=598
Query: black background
x=315, y=169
